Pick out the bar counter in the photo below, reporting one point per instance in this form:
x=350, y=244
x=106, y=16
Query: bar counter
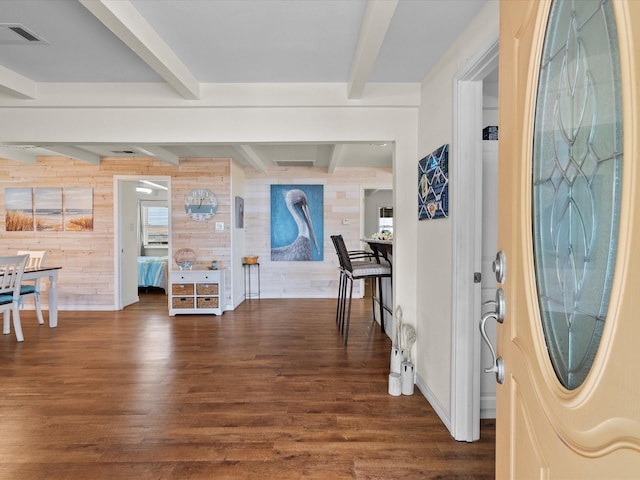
x=383, y=250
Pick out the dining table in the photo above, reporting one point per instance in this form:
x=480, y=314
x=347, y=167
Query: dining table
x=52, y=274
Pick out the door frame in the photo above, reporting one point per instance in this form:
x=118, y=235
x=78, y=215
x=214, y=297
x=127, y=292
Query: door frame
x=117, y=223
x=467, y=236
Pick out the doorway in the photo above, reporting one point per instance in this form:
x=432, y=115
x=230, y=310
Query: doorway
x=467, y=249
x=135, y=238
x=489, y=236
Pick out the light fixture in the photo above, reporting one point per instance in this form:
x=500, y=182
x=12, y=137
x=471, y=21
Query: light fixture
x=146, y=190
x=155, y=185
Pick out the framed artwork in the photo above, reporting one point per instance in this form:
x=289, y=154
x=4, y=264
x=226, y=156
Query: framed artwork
x=239, y=212
x=78, y=209
x=19, y=209
x=433, y=185
x=49, y=209
x=297, y=223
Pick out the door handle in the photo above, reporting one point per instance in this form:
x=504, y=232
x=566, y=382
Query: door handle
x=497, y=364
x=498, y=304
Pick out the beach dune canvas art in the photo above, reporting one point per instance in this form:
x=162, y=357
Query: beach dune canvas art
x=19, y=209
x=78, y=209
x=49, y=209
x=297, y=226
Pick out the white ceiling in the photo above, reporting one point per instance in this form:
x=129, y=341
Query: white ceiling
x=188, y=43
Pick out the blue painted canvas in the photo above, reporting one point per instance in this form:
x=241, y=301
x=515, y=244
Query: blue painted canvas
x=297, y=223
x=433, y=185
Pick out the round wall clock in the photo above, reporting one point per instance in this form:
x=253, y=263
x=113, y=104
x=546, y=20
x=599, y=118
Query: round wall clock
x=200, y=204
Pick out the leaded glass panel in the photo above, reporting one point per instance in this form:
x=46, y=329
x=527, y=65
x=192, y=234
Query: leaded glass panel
x=577, y=165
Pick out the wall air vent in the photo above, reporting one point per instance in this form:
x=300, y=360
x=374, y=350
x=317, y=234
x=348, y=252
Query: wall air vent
x=17, y=34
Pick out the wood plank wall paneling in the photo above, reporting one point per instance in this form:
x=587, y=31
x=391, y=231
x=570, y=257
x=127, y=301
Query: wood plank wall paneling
x=87, y=278
x=342, y=192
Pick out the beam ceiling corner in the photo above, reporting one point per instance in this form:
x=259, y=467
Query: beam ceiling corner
x=18, y=155
x=16, y=85
x=252, y=157
x=159, y=153
x=124, y=20
x=336, y=156
x=74, y=153
x=375, y=23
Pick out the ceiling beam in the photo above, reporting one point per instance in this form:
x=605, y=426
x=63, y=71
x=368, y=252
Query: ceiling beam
x=375, y=23
x=18, y=155
x=16, y=85
x=159, y=153
x=74, y=153
x=250, y=155
x=336, y=156
x=124, y=20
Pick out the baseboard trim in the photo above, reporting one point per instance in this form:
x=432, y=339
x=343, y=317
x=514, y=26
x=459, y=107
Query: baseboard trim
x=440, y=410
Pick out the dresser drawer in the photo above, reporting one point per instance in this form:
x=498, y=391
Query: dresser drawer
x=196, y=276
x=182, y=302
x=207, y=288
x=182, y=289
x=208, y=302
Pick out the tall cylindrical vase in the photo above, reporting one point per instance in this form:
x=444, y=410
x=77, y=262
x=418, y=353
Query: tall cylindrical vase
x=407, y=378
x=396, y=360
x=395, y=384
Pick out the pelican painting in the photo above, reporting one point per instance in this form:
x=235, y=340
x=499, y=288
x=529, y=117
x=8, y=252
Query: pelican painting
x=296, y=222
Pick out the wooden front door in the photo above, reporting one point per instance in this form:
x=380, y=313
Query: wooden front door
x=569, y=228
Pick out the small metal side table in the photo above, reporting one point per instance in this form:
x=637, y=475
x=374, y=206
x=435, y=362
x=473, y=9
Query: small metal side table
x=248, y=293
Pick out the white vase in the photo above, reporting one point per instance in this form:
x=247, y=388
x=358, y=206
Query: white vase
x=396, y=360
x=395, y=384
x=407, y=378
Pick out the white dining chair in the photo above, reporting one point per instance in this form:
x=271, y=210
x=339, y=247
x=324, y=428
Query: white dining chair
x=31, y=289
x=11, y=270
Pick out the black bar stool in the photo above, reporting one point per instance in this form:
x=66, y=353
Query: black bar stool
x=357, y=270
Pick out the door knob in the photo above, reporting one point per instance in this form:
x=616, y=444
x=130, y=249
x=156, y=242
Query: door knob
x=500, y=266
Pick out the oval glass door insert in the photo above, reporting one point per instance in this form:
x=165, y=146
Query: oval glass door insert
x=577, y=168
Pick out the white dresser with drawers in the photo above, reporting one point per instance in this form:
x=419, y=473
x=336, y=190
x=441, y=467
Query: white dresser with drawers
x=196, y=292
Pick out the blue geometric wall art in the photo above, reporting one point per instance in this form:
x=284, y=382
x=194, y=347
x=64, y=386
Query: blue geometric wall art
x=433, y=185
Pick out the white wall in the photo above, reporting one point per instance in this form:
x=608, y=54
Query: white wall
x=238, y=182
x=434, y=237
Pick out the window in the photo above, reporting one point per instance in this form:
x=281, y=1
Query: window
x=155, y=223
x=385, y=219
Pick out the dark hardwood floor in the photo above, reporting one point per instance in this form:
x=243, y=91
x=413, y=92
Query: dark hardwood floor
x=266, y=391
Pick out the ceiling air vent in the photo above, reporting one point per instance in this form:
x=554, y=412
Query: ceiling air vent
x=17, y=34
x=294, y=163
x=123, y=152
